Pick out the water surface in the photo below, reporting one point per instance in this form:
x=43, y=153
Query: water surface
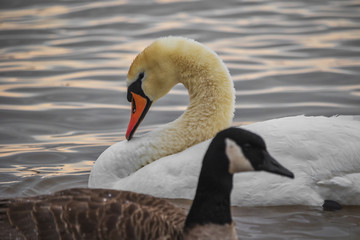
x=63, y=67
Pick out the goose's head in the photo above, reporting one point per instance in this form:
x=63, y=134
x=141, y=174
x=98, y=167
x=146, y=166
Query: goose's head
x=163, y=64
x=245, y=151
x=231, y=151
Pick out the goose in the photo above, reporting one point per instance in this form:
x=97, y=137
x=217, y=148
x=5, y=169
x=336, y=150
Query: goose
x=323, y=152
x=111, y=214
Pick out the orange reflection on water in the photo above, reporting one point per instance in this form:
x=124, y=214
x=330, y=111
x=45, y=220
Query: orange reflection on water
x=36, y=51
x=58, y=147
x=67, y=105
x=13, y=149
x=69, y=142
x=83, y=139
x=41, y=12
x=78, y=168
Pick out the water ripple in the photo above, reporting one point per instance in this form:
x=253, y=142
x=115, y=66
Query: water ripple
x=63, y=67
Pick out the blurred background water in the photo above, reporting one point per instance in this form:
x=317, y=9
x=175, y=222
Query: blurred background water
x=63, y=67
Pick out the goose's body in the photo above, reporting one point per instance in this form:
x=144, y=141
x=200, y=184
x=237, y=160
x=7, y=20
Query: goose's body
x=323, y=152
x=89, y=214
x=112, y=214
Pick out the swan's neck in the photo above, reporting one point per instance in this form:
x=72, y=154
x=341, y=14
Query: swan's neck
x=211, y=105
x=210, y=110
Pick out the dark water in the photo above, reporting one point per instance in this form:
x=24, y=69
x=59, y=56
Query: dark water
x=63, y=66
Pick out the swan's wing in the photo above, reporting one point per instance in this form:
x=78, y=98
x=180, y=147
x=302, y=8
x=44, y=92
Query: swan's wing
x=323, y=153
x=316, y=149
x=174, y=176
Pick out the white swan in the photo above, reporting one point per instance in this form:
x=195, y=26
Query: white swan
x=153, y=73
x=323, y=153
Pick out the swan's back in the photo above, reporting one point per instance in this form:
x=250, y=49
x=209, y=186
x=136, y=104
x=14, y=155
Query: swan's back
x=323, y=153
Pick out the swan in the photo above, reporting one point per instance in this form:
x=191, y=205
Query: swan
x=165, y=63
x=128, y=215
x=323, y=152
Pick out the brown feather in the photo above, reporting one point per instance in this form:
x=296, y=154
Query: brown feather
x=90, y=214
x=211, y=232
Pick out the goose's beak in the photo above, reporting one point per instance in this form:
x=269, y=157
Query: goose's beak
x=139, y=107
x=273, y=166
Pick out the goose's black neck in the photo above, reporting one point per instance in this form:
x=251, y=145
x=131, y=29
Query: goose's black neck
x=212, y=199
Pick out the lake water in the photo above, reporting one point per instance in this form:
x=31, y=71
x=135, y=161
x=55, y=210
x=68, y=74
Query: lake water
x=63, y=67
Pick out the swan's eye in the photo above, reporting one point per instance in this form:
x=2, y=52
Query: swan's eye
x=133, y=106
x=141, y=76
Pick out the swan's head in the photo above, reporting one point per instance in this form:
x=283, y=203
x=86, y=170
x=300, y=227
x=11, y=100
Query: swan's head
x=245, y=151
x=151, y=76
x=159, y=67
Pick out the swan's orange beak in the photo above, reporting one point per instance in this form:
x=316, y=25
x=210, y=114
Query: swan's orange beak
x=139, y=107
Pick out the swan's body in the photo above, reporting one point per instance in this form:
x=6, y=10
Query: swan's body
x=111, y=214
x=324, y=154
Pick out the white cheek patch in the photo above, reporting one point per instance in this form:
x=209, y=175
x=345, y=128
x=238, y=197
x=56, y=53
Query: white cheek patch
x=237, y=161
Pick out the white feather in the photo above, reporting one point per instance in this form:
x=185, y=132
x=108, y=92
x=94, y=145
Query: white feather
x=323, y=153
